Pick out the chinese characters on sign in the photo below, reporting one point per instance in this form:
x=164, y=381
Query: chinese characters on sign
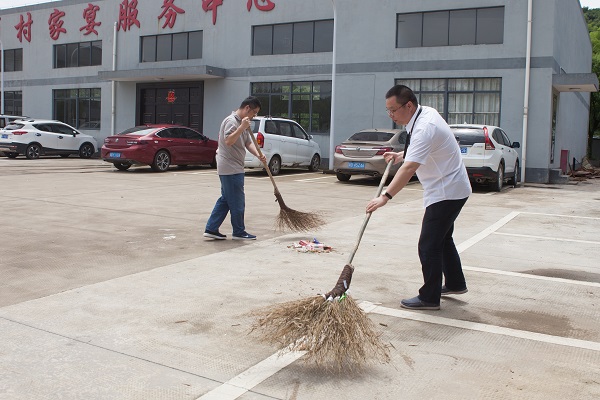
x=262, y=7
x=128, y=15
x=211, y=5
x=24, y=28
x=170, y=13
x=89, y=14
x=171, y=96
x=55, y=24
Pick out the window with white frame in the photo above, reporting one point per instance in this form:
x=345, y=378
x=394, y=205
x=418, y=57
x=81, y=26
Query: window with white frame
x=460, y=100
x=450, y=27
x=308, y=103
x=293, y=38
x=79, y=108
x=13, y=60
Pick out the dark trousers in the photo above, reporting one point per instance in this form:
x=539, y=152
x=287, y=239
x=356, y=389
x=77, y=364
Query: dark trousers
x=437, y=251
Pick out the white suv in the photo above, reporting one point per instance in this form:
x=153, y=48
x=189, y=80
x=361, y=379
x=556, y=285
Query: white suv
x=285, y=144
x=7, y=119
x=34, y=137
x=488, y=154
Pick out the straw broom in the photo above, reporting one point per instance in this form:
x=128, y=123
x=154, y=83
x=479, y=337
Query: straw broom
x=333, y=330
x=288, y=218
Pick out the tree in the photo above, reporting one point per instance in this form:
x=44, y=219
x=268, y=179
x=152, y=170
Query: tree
x=593, y=21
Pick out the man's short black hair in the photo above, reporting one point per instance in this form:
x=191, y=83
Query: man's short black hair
x=251, y=101
x=403, y=95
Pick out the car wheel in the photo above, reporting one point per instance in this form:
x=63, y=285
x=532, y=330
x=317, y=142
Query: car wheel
x=64, y=155
x=12, y=155
x=275, y=165
x=515, y=179
x=33, y=151
x=86, y=150
x=342, y=177
x=162, y=160
x=499, y=178
x=122, y=166
x=213, y=163
x=315, y=163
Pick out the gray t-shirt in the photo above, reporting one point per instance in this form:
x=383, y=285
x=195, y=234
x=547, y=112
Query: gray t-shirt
x=230, y=159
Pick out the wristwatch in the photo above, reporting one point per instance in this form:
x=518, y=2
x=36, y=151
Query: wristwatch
x=386, y=194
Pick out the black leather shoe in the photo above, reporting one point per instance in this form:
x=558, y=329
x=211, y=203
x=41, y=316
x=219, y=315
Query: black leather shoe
x=446, y=291
x=417, y=304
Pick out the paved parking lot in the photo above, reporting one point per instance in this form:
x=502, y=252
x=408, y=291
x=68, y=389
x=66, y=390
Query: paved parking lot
x=109, y=291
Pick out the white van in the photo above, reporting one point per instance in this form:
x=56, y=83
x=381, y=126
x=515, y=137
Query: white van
x=285, y=144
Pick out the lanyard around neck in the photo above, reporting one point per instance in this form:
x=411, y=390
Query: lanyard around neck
x=411, y=131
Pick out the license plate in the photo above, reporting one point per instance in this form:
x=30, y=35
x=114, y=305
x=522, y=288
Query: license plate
x=114, y=155
x=4, y=136
x=357, y=165
x=463, y=150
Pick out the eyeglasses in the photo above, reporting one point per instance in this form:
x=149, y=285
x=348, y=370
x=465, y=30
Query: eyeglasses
x=392, y=112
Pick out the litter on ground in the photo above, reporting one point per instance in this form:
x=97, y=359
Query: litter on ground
x=310, y=246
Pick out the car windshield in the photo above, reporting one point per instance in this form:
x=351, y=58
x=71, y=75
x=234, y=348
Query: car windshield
x=372, y=136
x=255, y=125
x=13, y=126
x=138, y=131
x=468, y=137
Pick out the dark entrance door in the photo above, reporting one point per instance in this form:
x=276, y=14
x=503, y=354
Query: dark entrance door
x=179, y=104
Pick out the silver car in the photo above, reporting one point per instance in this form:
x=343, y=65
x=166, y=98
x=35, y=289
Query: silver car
x=362, y=153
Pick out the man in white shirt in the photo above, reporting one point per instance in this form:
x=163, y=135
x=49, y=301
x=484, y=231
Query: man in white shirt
x=433, y=153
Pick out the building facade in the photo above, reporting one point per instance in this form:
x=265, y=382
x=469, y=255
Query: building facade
x=104, y=66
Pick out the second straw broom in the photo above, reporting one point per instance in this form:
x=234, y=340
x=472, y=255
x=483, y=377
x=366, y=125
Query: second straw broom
x=331, y=328
x=289, y=218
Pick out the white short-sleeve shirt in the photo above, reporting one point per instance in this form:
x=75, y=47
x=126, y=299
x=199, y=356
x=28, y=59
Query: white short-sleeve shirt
x=433, y=145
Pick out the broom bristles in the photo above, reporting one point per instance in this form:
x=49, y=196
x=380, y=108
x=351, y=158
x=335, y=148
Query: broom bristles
x=336, y=335
x=297, y=221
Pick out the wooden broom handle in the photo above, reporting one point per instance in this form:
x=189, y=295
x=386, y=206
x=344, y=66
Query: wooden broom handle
x=264, y=163
x=368, y=216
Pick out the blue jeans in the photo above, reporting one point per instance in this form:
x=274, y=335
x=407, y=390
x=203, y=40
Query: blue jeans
x=232, y=200
x=437, y=251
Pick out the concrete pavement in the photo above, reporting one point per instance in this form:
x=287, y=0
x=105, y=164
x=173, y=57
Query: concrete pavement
x=109, y=290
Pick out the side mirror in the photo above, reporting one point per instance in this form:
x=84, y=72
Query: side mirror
x=310, y=137
x=516, y=145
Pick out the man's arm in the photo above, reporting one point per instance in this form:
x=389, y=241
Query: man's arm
x=252, y=149
x=406, y=171
x=235, y=135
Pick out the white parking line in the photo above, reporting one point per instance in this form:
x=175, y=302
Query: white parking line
x=476, y=326
x=196, y=173
x=560, y=215
x=547, y=238
x=530, y=276
x=237, y=386
x=486, y=232
x=256, y=374
x=313, y=179
x=282, y=176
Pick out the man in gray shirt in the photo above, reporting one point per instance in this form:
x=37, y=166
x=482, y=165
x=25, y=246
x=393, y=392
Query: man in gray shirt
x=234, y=139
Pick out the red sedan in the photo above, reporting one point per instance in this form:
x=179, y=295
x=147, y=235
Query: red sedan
x=159, y=146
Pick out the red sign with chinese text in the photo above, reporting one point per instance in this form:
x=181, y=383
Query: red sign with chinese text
x=55, y=24
x=89, y=14
x=24, y=28
x=170, y=13
x=128, y=15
